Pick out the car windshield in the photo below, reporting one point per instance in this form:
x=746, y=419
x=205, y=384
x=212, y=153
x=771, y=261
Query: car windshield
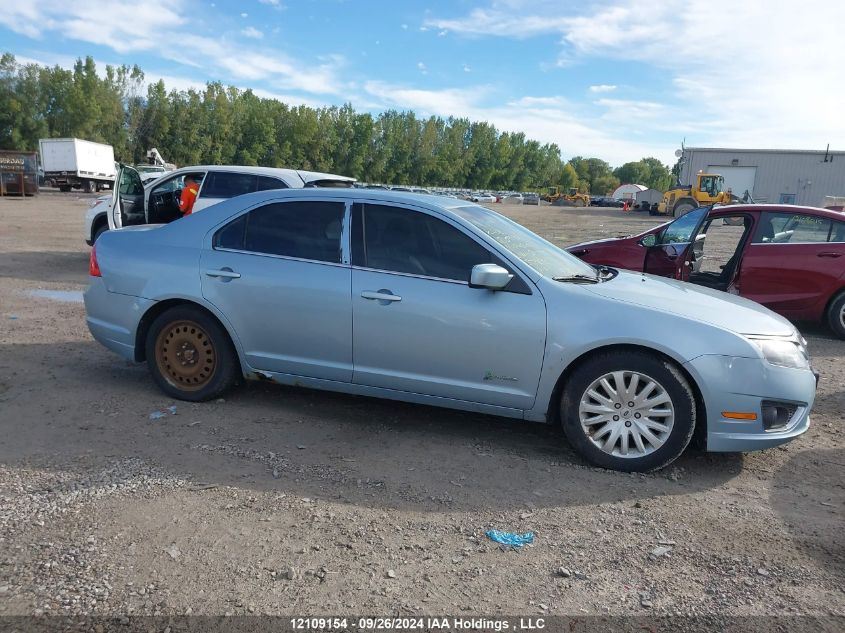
x=544, y=257
x=680, y=231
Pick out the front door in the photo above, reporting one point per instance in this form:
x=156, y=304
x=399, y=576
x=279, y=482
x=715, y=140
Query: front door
x=419, y=327
x=278, y=275
x=127, y=199
x=670, y=254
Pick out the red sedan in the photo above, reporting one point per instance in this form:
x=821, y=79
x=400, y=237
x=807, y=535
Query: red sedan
x=790, y=259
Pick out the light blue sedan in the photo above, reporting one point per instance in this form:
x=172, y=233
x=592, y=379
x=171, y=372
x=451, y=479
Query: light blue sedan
x=443, y=302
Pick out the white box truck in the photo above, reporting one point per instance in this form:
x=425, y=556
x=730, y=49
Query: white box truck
x=75, y=163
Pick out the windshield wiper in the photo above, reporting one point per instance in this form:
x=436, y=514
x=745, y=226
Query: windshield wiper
x=578, y=279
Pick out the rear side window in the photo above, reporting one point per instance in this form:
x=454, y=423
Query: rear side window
x=792, y=228
x=302, y=229
x=266, y=183
x=837, y=233
x=221, y=184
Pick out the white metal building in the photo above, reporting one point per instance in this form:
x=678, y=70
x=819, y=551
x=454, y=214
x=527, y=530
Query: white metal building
x=769, y=175
x=627, y=191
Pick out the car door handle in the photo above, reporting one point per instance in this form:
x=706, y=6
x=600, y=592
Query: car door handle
x=829, y=254
x=381, y=295
x=226, y=273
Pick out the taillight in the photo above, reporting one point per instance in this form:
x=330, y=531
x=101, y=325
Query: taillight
x=93, y=266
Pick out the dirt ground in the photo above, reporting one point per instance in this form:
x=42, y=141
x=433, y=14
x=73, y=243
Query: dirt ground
x=287, y=501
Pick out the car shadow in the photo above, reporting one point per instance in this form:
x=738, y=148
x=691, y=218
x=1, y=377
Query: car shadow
x=807, y=516
x=76, y=401
x=48, y=267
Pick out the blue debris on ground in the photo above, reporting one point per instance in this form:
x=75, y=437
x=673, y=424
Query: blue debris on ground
x=510, y=538
x=158, y=415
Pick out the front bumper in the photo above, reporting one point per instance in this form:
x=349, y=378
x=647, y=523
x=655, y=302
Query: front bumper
x=113, y=318
x=741, y=384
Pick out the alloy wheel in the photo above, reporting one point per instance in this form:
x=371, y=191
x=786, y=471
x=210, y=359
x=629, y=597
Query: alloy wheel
x=626, y=414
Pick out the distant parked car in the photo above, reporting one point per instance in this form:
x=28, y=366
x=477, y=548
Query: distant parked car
x=513, y=198
x=788, y=258
x=606, y=202
x=479, y=196
x=444, y=302
x=531, y=198
x=156, y=201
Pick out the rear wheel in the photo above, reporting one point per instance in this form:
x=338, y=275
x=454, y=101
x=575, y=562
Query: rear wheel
x=629, y=411
x=190, y=355
x=683, y=206
x=836, y=315
x=579, y=203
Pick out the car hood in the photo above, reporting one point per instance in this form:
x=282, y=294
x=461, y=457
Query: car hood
x=694, y=302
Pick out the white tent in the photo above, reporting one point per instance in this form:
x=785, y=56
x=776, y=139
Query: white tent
x=629, y=192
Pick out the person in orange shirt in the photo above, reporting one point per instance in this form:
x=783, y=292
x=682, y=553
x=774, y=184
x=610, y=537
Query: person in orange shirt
x=189, y=195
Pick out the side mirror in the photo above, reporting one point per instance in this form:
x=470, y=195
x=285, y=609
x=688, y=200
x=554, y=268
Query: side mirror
x=648, y=240
x=490, y=276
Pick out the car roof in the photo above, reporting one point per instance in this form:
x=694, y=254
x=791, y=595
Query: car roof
x=730, y=209
x=264, y=171
x=327, y=193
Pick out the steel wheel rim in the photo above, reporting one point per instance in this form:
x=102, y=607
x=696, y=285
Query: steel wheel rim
x=842, y=316
x=626, y=414
x=185, y=355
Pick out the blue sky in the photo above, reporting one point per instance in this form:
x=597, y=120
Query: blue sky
x=618, y=79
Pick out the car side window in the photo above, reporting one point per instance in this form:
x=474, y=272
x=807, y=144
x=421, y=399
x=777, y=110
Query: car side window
x=266, y=183
x=406, y=241
x=680, y=231
x=837, y=232
x=792, y=228
x=226, y=184
x=302, y=229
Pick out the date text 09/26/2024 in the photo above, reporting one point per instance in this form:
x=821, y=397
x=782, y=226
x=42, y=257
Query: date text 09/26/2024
x=428, y=623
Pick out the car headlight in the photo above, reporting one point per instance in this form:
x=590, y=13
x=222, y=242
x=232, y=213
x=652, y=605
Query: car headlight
x=784, y=352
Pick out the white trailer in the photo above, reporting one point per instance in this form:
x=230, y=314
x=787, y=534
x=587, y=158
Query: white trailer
x=76, y=163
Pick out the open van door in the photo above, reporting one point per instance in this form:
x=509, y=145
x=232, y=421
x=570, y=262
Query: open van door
x=127, y=203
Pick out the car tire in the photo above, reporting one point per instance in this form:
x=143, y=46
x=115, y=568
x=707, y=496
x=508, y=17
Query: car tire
x=682, y=207
x=661, y=392
x=190, y=355
x=836, y=315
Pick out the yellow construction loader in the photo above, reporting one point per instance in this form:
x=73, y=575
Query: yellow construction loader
x=707, y=190
x=556, y=195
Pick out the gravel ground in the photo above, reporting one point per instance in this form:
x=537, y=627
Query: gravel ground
x=286, y=501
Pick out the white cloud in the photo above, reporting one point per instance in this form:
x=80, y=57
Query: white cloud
x=602, y=88
x=274, y=3
x=772, y=78
x=86, y=20
x=252, y=33
x=244, y=15
x=442, y=33
x=467, y=69
x=422, y=68
x=404, y=27
x=158, y=27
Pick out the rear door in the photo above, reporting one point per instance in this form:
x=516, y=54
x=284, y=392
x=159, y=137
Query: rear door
x=670, y=255
x=280, y=276
x=127, y=199
x=794, y=262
